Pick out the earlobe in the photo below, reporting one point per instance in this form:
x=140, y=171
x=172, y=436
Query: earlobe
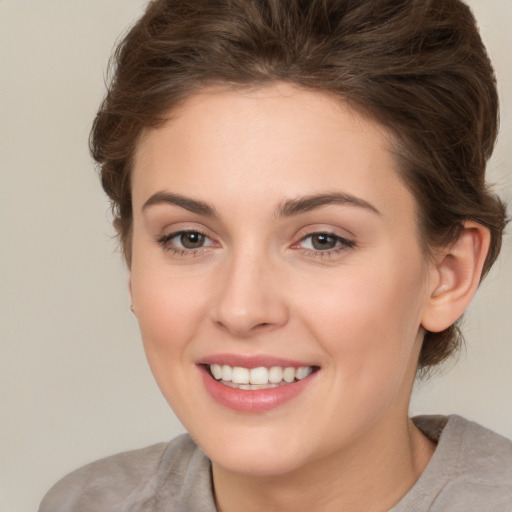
x=456, y=277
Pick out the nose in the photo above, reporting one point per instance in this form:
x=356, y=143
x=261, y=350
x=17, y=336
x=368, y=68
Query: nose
x=251, y=297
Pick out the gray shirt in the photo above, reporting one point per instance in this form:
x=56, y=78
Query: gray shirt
x=470, y=471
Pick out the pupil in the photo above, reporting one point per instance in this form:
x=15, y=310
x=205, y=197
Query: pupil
x=192, y=240
x=323, y=242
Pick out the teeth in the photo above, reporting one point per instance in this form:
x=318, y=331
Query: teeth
x=258, y=375
x=256, y=386
x=302, y=372
x=240, y=375
x=275, y=375
x=216, y=370
x=227, y=373
x=289, y=374
x=258, y=378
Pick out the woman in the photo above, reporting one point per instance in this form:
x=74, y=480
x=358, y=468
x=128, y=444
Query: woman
x=299, y=192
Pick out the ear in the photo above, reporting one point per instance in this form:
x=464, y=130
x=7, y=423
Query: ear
x=131, y=295
x=456, y=276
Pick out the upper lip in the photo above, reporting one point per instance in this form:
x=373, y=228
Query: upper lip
x=252, y=361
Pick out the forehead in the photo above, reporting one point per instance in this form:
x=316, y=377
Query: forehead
x=267, y=142
x=278, y=108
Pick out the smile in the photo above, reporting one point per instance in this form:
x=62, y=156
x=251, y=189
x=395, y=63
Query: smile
x=257, y=378
x=255, y=385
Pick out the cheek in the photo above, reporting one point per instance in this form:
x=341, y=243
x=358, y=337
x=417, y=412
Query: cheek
x=169, y=308
x=169, y=311
x=367, y=318
x=367, y=325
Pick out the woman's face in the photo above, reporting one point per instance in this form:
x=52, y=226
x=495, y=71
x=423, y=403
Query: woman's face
x=271, y=231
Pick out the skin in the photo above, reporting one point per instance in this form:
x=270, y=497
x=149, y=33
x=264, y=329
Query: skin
x=257, y=287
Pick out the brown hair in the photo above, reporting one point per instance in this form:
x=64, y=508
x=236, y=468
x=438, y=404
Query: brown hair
x=418, y=67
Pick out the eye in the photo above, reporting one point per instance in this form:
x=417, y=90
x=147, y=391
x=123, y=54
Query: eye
x=325, y=243
x=190, y=239
x=183, y=242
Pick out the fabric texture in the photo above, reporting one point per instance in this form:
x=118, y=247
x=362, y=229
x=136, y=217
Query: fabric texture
x=470, y=471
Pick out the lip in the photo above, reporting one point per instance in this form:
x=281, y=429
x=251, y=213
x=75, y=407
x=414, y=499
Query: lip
x=253, y=401
x=254, y=361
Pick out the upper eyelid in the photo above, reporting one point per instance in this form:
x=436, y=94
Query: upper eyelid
x=177, y=232
x=324, y=232
x=174, y=234
x=308, y=232
x=165, y=245
x=345, y=240
x=330, y=228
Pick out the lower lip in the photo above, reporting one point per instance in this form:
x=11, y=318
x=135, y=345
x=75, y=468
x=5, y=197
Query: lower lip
x=253, y=400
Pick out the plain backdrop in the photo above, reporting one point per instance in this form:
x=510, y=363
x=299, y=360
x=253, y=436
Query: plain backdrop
x=74, y=383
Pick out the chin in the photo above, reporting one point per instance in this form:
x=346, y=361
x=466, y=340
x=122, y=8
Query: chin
x=261, y=451
x=254, y=463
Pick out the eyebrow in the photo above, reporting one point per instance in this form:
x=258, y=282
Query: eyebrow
x=312, y=202
x=192, y=205
x=286, y=209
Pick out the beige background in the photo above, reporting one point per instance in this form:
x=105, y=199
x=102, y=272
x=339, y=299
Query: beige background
x=74, y=384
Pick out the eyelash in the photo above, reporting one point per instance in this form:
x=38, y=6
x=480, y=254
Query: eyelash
x=165, y=240
x=341, y=244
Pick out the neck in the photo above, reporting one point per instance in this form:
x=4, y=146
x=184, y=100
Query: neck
x=372, y=476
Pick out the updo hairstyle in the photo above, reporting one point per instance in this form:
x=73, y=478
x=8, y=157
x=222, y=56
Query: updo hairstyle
x=418, y=67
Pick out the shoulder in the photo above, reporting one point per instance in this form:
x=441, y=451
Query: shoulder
x=137, y=480
x=471, y=467
x=483, y=456
x=484, y=467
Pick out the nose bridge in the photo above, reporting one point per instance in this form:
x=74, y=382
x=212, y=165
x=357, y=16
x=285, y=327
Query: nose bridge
x=249, y=297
